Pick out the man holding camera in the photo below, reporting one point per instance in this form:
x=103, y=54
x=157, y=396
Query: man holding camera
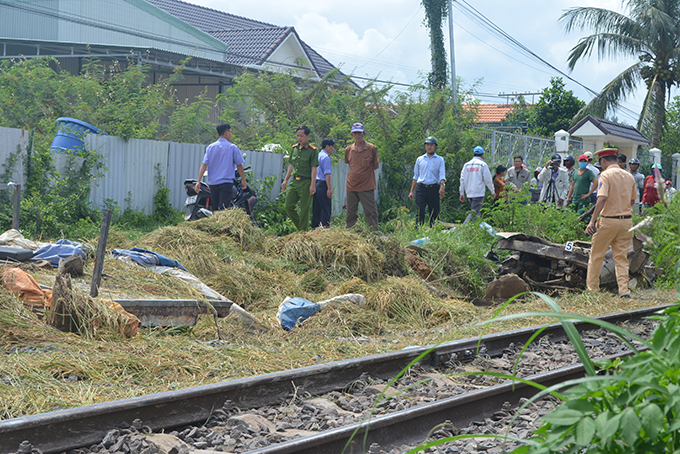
x=555, y=182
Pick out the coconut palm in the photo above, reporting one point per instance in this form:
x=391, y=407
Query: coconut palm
x=651, y=32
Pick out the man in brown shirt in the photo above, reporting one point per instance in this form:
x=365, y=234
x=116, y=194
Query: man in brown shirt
x=362, y=158
x=615, y=197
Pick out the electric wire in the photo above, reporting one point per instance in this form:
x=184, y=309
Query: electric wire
x=393, y=39
x=469, y=11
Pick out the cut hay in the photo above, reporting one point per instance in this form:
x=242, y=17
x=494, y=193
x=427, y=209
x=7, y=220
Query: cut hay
x=73, y=312
x=199, y=252
x=235, y=224
x=335, y=249
x=406, y=300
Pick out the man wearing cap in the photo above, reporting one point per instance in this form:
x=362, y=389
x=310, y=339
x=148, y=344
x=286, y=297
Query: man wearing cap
x=474, y=176
x=615, y=197
x=321, y=208
x=555, y=182
x=639, y=178
x=582, y=185
x=651, y=194
x=363, y=161
x=569, y=163
x=429, y=180
x=302, y=167
x=670, y=190
x=596, y=171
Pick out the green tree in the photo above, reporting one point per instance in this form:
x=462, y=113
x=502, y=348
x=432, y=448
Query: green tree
x=435, y=12
x=650, y=32
x=521, y=111
x=670, y=139
x=554, y=109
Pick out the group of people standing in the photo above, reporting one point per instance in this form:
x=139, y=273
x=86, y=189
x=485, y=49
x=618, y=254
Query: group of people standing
x=308, y=177
x=311, y=180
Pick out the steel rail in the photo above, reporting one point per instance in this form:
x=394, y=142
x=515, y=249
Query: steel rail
x=62, y=430
x=411, y=426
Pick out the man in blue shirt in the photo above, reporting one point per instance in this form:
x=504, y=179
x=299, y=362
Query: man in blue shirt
x=429, y=178
x=321, y=207
x=222, y=158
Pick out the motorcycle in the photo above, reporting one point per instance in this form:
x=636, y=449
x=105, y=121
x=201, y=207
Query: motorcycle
x=244, y=199
x=197, y=206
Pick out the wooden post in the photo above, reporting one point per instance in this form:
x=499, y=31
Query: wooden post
x=101, y=251
x=16, y=204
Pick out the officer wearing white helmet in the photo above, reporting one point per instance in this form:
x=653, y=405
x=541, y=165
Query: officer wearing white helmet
x=429, y=181
x=474, y=176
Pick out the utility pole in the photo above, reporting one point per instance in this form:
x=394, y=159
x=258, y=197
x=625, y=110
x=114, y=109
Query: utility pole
x=454, y=88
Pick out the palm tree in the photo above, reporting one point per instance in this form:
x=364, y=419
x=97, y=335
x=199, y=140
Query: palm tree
x=651, y=32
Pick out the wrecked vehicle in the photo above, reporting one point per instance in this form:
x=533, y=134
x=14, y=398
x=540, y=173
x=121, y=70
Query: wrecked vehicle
x=547, y=266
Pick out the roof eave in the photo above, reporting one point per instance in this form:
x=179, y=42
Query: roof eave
x=180, y=24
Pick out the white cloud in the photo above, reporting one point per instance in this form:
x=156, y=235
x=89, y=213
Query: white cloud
x=344, y=34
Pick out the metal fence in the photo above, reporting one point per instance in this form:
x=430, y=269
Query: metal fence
x=504, y=146
x=131, y=169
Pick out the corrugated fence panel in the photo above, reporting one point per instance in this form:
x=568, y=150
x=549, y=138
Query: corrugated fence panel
x=128, y=178
x=338, y=182
x=142, y=159
x=13, y=141
x=184, y=160
x=264, y=164
x=111, y=184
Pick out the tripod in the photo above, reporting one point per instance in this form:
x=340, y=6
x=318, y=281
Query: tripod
x=550, y=195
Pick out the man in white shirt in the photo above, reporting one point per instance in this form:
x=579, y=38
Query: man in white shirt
x=555, y=182
x=475, y=177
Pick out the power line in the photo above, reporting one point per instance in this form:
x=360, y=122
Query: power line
x=469, y=11
x=394, y=39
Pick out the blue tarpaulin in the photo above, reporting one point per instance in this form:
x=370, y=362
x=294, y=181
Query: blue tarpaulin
x=60, y=250
x=147, y=258
x=296, y=310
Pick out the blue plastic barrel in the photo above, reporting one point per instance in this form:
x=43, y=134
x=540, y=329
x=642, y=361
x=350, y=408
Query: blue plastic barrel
x=71, y=135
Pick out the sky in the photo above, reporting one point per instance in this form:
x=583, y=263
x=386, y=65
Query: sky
x=387, y=39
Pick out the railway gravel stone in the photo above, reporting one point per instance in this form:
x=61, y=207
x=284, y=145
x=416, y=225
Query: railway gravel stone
x=234, y=430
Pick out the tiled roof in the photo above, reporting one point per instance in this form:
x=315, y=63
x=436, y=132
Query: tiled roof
x=611, y=128
x=250, y=46
x=250, y=42
x=491, y=113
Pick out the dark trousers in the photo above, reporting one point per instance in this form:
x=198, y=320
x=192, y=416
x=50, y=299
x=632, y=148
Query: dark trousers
x=427, y=197
x=221, y=195
x=321, y=206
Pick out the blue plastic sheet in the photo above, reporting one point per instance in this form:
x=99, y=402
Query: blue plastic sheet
x=147, y=258
x=60, y=250
x=296, y=310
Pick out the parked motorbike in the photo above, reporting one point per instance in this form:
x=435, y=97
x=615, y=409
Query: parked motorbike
x=197, y=206
x=244, y=199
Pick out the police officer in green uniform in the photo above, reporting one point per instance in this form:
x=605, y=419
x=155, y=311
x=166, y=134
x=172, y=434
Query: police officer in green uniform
x=302, y=167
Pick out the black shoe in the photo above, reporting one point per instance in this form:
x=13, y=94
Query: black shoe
x=625, y=296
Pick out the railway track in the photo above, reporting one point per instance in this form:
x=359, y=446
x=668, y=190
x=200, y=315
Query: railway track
x=79, y=427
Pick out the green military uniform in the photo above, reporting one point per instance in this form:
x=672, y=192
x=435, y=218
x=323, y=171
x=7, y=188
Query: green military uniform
x=302, y=159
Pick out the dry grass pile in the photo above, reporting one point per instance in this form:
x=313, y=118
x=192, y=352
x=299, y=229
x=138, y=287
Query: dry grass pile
x=336, y=249
x=43, y=369
x=406, y=300
x=200, y=252
x=250, y=279
x=234, y=224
